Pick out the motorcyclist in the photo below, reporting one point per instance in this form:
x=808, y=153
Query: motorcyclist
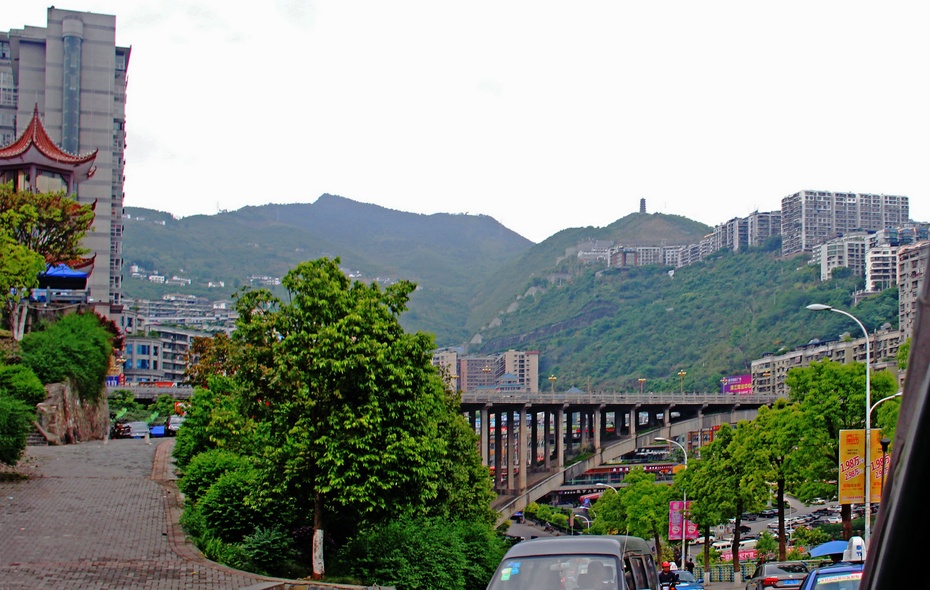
x=668, y=578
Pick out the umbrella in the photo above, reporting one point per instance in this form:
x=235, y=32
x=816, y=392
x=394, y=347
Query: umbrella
x=829, y=548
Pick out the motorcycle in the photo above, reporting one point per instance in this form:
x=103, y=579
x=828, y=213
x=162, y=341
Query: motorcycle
x=120, y=430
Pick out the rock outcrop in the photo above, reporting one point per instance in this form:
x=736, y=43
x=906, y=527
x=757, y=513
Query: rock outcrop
x=63, y=418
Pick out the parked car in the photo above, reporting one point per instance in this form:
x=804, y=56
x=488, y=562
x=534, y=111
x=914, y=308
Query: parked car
x=174, y=423
x=844, y=576
x=777, y=574
x=702, y=540
x=157, y=430
x=687, y=581
x=818, y=501
x=584, y=561
x=138, y=429
x=749, y=516
x=769, y=513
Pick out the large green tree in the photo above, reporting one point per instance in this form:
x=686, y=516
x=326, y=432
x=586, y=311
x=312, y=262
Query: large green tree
x=772, y=443
x=831, y=397
x=359, y=427
x=50, y=225
x=639, y=508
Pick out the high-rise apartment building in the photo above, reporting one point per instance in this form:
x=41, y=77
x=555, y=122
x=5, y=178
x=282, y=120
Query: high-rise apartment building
x=809, y=218
x=912, y=262
x=73, y=73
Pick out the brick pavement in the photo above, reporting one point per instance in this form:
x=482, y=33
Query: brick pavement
x=102, y=516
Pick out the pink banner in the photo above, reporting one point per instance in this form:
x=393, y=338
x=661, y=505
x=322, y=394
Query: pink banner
x=676, y=510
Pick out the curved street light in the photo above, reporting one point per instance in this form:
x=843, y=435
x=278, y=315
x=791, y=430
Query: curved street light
x=684, y=502
x=868, y=416
x=552, y=379
x=606, y=485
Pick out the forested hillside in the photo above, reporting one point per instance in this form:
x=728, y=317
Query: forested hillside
x=606, y=328
x=445, y=254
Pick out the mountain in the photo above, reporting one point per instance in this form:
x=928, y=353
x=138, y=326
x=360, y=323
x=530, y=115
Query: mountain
x=444, y=254
x=482, y=284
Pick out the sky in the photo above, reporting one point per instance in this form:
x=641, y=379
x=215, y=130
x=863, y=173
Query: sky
x=543, y=115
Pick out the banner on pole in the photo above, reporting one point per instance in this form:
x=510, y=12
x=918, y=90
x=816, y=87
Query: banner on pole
x=853, y=469
x=677, y=511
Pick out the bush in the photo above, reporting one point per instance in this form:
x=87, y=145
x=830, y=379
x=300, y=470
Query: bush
x=77, y=347
x=423, y=554
x=15, y=422
x=267, y=551
x=531, y=509
x=205, y=469
x=220, y=551
x=227, y=513
x=20, y=382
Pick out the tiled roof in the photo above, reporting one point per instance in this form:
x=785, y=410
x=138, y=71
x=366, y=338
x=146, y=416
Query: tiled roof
x=34, y=137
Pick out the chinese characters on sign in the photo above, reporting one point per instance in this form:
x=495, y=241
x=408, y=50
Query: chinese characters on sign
x=853, y=469
x=675, y=518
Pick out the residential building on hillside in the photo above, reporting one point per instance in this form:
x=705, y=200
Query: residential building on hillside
x=809, y=218
x=73, y=75
x=511, y=371
x=912, y=262
x=732, y=235
x=769, y=372
x=844, y=252
x=881, y=268
x=161, y=354
x=763, y=225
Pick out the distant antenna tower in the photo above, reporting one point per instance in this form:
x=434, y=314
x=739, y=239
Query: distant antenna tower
x=642, y=205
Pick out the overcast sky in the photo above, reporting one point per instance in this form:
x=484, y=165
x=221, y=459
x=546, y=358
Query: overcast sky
x=542, y=115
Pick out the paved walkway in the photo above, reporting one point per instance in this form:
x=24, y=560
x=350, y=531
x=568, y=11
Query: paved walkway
x=101, y=516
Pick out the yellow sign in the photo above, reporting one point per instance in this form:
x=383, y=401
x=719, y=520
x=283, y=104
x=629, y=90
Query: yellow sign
x=852, y=468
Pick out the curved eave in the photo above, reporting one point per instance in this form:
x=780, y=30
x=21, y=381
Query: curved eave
x=82, y=168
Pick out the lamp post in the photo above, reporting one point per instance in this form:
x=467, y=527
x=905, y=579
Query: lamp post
x=552, y=379
x=584, y=518
x=868, y=416
x=681, y=379
x=642, y=384
x=884, y=441
x=684, y=502
x=607, y=485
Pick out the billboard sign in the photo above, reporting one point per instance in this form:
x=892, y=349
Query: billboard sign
x=852, y=467
x=736, y=385
x=676, y=514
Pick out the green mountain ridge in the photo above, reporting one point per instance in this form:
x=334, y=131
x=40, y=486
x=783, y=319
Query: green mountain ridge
x=485, y=287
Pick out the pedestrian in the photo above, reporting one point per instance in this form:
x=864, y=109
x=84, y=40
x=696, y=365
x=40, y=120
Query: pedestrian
x=690, y=566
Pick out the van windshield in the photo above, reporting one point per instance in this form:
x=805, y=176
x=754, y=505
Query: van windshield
x=557, y=572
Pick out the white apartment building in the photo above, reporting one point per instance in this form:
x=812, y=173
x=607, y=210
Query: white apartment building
x=912, y=264
x=844, y=252
x=809, y=218
x=74, y=74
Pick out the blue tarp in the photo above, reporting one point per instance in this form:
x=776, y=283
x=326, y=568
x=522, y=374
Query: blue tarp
x=829, y=548
x=63, y=271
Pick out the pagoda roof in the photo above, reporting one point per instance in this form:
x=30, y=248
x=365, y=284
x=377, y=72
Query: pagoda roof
x=34, y=146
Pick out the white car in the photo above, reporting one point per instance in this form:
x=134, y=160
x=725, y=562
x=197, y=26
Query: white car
x=701, y=540
x=818, y=501
x=723, y=544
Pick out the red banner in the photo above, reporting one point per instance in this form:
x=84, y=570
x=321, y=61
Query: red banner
x=676, y=513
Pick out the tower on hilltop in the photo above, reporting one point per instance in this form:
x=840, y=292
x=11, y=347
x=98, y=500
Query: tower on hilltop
x=642, y=205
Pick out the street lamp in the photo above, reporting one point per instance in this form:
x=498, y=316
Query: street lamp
x=552, y=379
x=584, y=518
x=607, y=485
x=684, y=502
x=868, y=415
x=642, y=384
x=681, y=379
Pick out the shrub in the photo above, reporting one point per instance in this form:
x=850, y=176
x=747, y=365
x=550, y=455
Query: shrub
x=205, y=469
x=411, y=554
x=20, y=382
x=76, y=347
x=222, y=552
x=267, y=551
x=531, y=509
x=15, y=422
x=227, y=513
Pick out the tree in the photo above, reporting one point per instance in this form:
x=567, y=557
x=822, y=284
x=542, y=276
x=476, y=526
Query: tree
x=699, y=480
x=50, y=225
x=15, y=420
x=208, y=357
x=831, y=398
x=640, y=508
x=774, y=436
x=353, y=414
x=19, y=273
x=77, y=347
x=731, y=478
